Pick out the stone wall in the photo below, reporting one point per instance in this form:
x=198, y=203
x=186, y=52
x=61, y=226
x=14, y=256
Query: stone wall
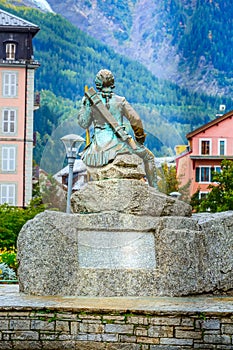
x=61, y=329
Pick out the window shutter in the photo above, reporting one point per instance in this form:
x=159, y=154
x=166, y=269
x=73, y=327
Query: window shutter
x=12, y=159
x=211, y=174
x=6, y=84
x=13, y=85
x=197, y=174
x=5, y=120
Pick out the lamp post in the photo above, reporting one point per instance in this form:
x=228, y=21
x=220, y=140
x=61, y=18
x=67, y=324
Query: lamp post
x=72, y=144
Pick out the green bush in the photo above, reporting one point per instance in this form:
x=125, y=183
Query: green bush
x=13, y=218
x=9, y=258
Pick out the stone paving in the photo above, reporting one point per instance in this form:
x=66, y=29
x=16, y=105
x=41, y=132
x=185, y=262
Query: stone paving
x=10, y=298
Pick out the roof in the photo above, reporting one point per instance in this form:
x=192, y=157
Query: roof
x=161, y=160
x=209, y=125
x=9, y=21
x=79, y=167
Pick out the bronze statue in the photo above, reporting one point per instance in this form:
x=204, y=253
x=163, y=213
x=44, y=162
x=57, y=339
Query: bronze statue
x=106, y=111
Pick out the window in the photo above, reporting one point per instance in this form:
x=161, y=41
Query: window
x=9, y=121
x=221, y=147
x=8, y=158
x=7, y=194
x=202, y=195
x=205, y=147
x=10, y=51
x=204, y=174
x=9, y=84
x=217, y=169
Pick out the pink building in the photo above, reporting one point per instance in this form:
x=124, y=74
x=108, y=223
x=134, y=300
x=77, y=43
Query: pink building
x=208, y=146
x=17, y=69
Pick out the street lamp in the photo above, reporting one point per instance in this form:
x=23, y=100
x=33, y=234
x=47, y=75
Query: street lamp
x=72, y=144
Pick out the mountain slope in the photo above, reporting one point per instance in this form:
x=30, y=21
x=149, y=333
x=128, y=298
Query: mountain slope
x=187, y=42
x=70, y=59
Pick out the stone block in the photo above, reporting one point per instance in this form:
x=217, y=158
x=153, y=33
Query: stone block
x=217, y=339
x=184, y=333
x=74, y=328
x=62, y=326
x=167, y=347
x=118, y=328
x=113, y=319
x=160, y=331
x=139, y=331
x=127, y=339
x=227, y=329
x=20, y=324
x=211, y=324
x=138, y=320
x=25, y=335
x=4, y=325
x=91, y=328
x=146, y=340
x=173, y=321
x=94, y=337
x=42, y=325
x=108, y=337
x=189, y=322
x=174, y=341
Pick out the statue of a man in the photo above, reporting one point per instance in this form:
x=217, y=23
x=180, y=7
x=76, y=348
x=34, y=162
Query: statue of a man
x=106, y=143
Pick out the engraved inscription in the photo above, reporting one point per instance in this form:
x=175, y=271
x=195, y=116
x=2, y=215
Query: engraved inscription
x=116, y=250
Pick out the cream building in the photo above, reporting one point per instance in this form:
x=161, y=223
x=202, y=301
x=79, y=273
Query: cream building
x=17, y=70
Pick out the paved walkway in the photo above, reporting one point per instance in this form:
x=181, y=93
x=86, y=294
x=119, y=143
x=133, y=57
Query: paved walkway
x=11, y=299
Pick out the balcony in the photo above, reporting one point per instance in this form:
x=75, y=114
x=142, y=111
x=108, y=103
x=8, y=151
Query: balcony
x=215, y=157
x=36, y=101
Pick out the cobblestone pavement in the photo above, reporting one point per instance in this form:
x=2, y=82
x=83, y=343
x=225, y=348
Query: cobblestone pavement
x=10, y=298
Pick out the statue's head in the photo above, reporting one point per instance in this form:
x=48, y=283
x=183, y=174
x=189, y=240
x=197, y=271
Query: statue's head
x=104, y=79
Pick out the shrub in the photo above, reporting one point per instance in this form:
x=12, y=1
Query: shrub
x=6, y=273
x=9, y=257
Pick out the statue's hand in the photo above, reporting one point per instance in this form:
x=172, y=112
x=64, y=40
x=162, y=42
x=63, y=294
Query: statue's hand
x=86, y=102
x=141, y=139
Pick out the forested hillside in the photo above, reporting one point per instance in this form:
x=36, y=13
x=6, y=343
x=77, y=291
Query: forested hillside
x=187, y=42
x=70, y=59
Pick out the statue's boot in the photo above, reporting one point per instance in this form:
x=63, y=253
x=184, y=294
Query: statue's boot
x=151, y=174
x=149, y=164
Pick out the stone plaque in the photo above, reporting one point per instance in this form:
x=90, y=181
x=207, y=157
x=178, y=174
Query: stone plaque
x=116, y=250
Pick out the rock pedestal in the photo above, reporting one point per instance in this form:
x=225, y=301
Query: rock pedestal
x=125, y=239
x=117, y=254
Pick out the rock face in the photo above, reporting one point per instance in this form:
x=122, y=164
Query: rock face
x=127, y=196
x=118, y=254
x=124, y=166
x=120, y=187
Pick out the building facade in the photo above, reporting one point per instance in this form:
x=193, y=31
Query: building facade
x=17, y=70
x=208, y=146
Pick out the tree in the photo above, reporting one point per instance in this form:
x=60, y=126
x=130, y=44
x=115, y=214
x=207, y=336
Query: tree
x=12, y=220
x=167, y=182
x=220, y=198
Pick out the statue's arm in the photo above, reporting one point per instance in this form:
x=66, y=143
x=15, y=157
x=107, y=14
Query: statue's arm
x=85, y=114
x=135, y=121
